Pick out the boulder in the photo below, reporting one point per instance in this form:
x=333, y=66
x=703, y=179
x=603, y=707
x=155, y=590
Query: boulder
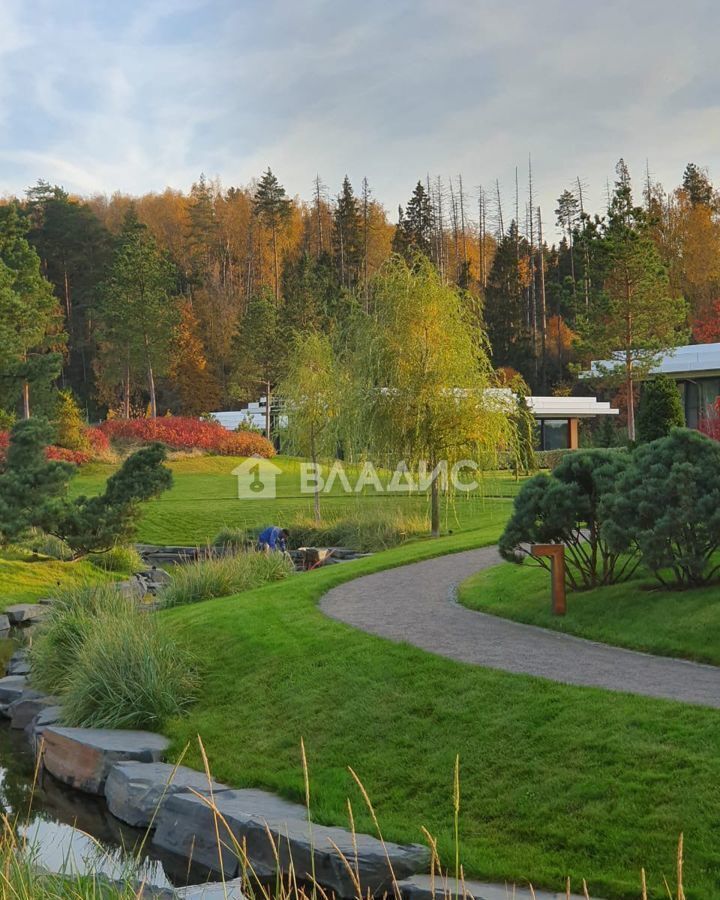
x=135, y=790
x=25, y=613
x=4, y=623
x=18, y=664
x=258, y=820
x=423, y=887
x=35, y=728
x=83, y=757
x=11, y=688
x=214, y=890
x=23, y=711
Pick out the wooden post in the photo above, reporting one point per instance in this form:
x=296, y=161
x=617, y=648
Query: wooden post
x=556, y=554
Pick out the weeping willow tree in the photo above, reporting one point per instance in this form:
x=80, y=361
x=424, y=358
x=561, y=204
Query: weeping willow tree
x=424, y=387
x=311, y=395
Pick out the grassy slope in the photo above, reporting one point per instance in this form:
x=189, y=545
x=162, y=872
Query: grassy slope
x=638, y=614
x=556, y=780
x=204, y=499
x=24, y=579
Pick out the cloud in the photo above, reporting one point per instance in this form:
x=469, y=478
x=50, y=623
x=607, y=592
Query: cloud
x=143, y=95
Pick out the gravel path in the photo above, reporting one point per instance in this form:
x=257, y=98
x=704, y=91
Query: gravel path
x=415, y=604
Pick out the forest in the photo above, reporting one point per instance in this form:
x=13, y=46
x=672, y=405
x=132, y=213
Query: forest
x=190, y=302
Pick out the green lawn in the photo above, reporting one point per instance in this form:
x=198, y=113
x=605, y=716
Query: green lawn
x=204, y=499
x=25, y=577
x=556, y=780
x=637, y=614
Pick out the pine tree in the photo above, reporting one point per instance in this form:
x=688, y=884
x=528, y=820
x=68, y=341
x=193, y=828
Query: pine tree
x=138, y=310
x=31, y=486
x=30, y=320
x=637, y=317
x=414, y=230
x=273, y=208
x=348, y=236
x=697, y=185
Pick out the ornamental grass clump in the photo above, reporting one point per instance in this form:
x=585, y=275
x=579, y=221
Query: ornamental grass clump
x=110, y=664
x=366, y=531
x=225, y=575
x=121, y=559
x=129, y=673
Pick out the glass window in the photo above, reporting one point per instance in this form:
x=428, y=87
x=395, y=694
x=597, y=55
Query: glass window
x=556, y=434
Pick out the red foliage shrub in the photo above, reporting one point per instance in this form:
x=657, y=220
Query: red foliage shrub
x=709, y=424
x=98, y=440
x=182, y=433
x=60, y=454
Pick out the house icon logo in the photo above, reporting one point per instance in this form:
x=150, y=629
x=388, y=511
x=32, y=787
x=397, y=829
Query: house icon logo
x=256, y=479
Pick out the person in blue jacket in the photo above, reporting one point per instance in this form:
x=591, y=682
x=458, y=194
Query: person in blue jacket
x=273, y=538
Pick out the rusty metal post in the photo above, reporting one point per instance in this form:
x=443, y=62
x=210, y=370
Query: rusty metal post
x=556, y=554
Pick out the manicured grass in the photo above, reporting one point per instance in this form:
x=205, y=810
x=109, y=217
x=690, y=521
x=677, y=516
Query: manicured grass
x=204, y=500
x=25, y=578
x=556, y=780
x=638, y=614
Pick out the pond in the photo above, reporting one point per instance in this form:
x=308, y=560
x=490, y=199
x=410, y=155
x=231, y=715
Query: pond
x=69, y=831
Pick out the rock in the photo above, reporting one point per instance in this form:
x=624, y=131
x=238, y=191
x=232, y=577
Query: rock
x=24, y=710
x=18, y=664
x=214, y=890
x=135, y=790
x=185, y=826
x=35, y=728
x=132, y=588
x=46, y=601
x=25, y=613
x=11, y=688
x=83, y=757
x=4, y=623
x=422, y=887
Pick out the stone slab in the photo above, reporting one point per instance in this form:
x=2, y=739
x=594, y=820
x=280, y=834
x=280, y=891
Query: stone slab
x=23, y=711
x=214, y=890
x=19, y=664
x=257, y=820
x=25, y=613
x=135, y=790
x=83, y=757
x=11, y=688
x=423, y=887
x=4, y=623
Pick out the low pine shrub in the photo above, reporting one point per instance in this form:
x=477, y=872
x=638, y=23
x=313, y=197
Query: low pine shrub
x=223, y=576
x=183, y=433
x=124, y=560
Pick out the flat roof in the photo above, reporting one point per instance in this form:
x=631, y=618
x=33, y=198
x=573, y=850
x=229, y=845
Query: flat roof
x=692, y=359
x=569, y=407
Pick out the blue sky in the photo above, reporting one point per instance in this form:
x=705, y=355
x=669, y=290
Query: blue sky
x=105, y=96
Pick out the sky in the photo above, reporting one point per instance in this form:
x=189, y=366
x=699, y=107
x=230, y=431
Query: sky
x=137, y=96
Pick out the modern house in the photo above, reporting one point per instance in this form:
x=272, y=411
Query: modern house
x=557, y=418
x=696, y=370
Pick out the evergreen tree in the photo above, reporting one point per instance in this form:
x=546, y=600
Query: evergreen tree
x=660, y=409
x=70, y=425
x=348, y=236
x=505, y=305
x=31, y=486
x=273, y=208
x=75, y=250
x=30, y=320
x=138, y=310
x=636, y=318
x=414, y=230
x=697, y=185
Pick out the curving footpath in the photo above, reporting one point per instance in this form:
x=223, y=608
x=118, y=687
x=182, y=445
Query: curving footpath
x=415, y=604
